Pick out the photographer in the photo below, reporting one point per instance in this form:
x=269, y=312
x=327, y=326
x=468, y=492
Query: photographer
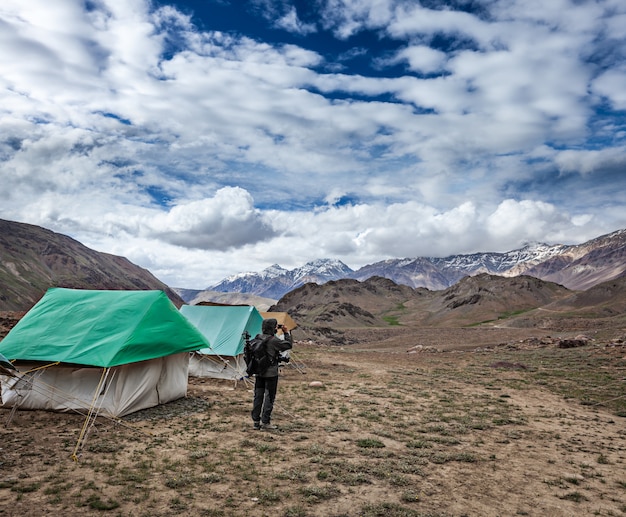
x=266, y=384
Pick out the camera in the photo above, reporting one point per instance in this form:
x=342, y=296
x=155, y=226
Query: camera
x=283, y=358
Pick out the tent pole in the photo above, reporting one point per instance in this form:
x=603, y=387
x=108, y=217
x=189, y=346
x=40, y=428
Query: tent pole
x=90, y=415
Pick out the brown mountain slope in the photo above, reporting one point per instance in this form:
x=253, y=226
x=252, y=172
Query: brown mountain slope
x=597, y=309
x=346, y=303
x=605, y=298
x=33, y=259
x=379, y=302
x=483, y=298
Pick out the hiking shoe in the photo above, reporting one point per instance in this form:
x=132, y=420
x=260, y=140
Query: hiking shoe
x=269, y=426
x=257, y=426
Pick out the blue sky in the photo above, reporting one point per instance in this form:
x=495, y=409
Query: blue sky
x=201, y=139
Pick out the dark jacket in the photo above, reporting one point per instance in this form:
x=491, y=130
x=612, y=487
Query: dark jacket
x=274, y=347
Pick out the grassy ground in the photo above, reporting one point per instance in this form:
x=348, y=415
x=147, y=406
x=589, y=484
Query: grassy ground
x=506, y=431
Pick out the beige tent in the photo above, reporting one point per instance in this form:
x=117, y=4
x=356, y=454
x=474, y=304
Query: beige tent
x=283, y=319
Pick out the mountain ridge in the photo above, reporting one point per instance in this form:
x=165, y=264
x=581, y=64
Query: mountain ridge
x=273, y=282
x=350, y=311
x=573, y=266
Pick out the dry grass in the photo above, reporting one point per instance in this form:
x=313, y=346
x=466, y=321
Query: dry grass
x=528, y=431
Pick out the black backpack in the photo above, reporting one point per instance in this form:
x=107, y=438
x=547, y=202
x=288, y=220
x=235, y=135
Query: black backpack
x=255, y=355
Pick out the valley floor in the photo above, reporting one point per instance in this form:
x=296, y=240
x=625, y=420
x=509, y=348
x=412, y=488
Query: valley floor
x=492, y=424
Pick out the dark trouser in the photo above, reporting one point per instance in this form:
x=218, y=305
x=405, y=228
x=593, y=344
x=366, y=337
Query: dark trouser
x=264, y=395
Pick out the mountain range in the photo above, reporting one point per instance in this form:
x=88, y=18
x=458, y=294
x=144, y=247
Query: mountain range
x=577, y=267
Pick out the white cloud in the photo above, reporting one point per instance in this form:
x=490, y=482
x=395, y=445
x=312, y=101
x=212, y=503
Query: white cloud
x=347, y=17
x=612, y=85
x=231, y=153
x=411, y=19
x=589, y=162
x=290, y=22
x=422, y=58
x=227, y=220
x=167, y=243
x=514, y=218
x=364, y=234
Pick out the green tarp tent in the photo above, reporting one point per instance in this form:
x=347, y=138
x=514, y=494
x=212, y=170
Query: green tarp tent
x=101, y=328
x=223, y=326
x=61, y=344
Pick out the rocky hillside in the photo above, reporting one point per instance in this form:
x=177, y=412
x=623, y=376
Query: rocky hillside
x=347, y=303
x=484, y=298
x=333, y=311
x=380, y=302
x=605, y=300
x=33, y=259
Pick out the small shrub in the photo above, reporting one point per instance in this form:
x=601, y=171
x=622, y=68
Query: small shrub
x=295, y=511
x=293, y=475
x=577, y=497
x=177, y=504
x=269, y=496
x=178, y=481
x=418, y=444
x=314, y=494
x=24, y=489
x=98, y=504
x=370, y=443
x=388, y=510
x=410, y=496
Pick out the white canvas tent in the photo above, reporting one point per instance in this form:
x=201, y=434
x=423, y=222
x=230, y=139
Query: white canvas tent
x=224, y=327
x=111, y=392
x=108, y=352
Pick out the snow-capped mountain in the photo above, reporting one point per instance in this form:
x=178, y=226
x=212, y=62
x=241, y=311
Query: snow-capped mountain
x=440, y=273
x=275, y=281
x=575, y=267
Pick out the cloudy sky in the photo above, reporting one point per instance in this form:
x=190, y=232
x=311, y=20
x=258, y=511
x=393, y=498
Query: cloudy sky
x=204, y=138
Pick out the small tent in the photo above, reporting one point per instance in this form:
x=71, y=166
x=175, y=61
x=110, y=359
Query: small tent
x=115, y=351
x=283, y=319
x=224, y=327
